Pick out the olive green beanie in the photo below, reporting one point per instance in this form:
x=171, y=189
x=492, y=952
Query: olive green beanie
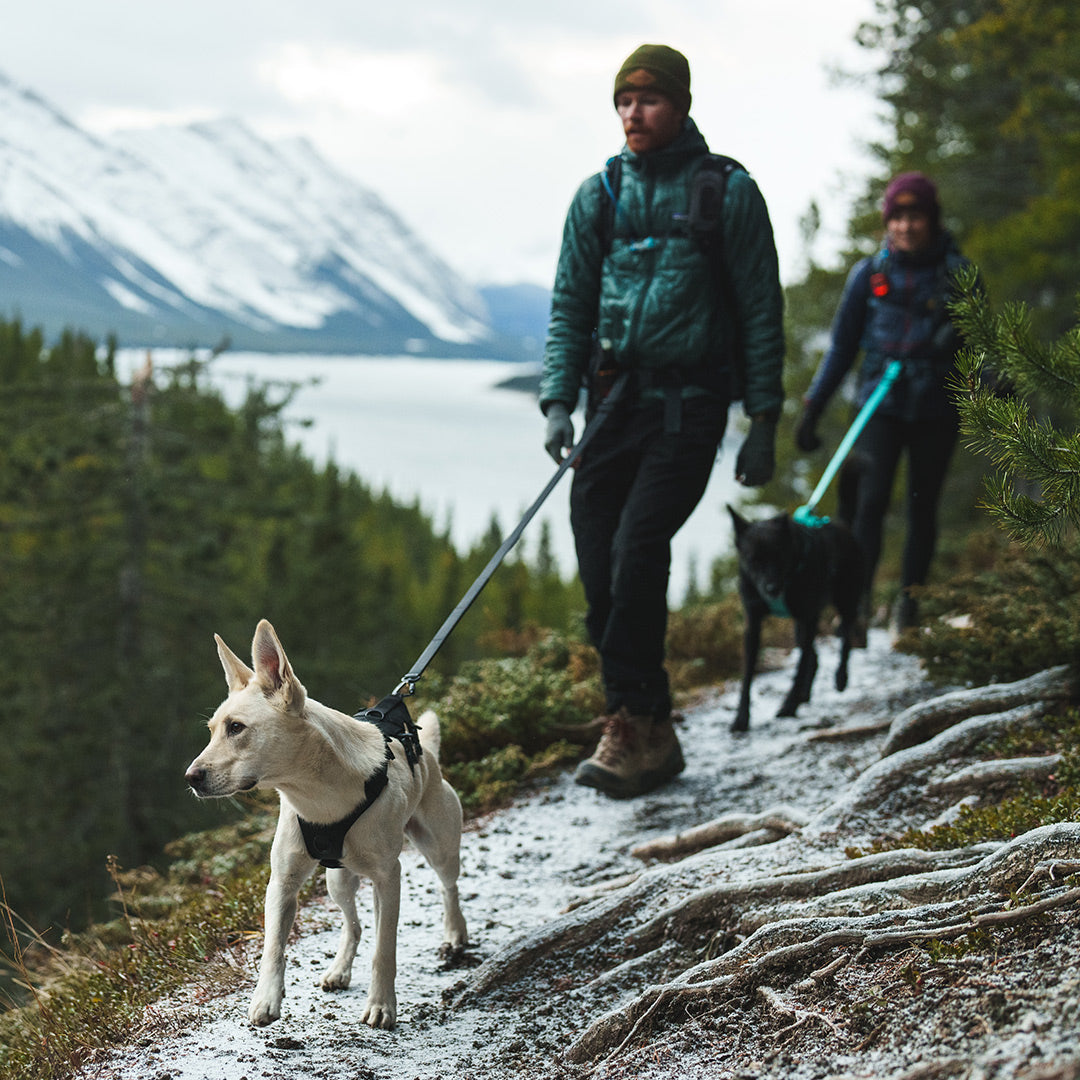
x=657, y=67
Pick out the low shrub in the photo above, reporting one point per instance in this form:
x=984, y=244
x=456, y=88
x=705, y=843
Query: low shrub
x=1009, y=613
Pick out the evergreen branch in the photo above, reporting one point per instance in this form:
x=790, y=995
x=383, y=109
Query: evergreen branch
x=1026, y=452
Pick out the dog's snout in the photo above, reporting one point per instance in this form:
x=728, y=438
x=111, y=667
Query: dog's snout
x=196, y=777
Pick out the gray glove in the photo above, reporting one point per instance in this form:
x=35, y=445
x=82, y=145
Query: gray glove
x=559, y=435
x=756, y=461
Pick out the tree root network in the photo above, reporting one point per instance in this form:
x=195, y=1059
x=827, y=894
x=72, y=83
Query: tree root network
x=710, y=921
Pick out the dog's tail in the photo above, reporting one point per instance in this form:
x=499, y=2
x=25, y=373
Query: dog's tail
x=430, y=735
x=848, y=487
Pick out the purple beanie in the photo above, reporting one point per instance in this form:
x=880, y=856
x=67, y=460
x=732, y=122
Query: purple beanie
x=920, y=192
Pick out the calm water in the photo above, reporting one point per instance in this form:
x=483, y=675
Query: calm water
x=442, y=432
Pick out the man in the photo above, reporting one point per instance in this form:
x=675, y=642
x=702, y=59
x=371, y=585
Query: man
x=683, y=326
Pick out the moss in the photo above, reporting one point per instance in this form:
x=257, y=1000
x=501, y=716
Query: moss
x=93, y=991
x=973, y=942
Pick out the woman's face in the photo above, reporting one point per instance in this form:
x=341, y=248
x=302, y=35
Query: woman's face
x=909, y=230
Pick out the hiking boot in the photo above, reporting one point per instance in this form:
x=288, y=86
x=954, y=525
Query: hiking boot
x=634, y=755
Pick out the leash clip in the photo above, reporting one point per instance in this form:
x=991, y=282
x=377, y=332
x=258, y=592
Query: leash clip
x=407, y=686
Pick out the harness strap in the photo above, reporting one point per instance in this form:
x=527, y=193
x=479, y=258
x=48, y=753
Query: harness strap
x=778, y=606
x=391, y=716
x=325, y=843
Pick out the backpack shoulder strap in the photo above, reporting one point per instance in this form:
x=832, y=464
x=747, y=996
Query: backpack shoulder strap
x=706, y=212
x=705, y=220
x=611, y=179
x=877, y=281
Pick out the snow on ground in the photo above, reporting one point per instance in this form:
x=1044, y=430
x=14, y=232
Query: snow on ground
x=521, y=867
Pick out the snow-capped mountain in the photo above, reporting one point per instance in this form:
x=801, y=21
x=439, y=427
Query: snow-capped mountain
x=185, y=235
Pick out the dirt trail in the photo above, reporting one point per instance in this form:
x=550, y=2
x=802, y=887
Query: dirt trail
x=522, y=868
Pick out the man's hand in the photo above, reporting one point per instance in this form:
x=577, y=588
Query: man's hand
x=559, y=435
x=757, y=459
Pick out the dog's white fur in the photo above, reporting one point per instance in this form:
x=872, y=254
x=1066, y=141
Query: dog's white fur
x=269, y=734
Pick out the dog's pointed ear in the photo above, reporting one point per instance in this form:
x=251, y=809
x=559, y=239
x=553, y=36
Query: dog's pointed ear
x=272, y=668
x=740, y=523
x=237, y=673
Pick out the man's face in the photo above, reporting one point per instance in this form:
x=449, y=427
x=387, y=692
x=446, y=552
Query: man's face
x=650, y=120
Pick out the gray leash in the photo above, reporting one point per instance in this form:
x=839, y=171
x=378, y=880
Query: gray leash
x=603, y=410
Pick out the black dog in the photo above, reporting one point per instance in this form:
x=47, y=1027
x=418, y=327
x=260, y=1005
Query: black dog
x=794, y=570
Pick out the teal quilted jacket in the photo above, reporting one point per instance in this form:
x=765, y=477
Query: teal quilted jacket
x=654, y=295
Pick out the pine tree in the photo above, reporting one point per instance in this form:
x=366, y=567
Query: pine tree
x=1036, y=492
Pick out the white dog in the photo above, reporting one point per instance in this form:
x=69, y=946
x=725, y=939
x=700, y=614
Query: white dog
x=327, y=767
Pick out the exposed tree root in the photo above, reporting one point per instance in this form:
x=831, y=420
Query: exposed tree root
x=783, y=949
x=778, y=821
x=929, y=718
x=859, y=731
x=799, y=1016
x=894, y=786
x=698, y=912
x=582, y=927
x=985, y=777
x=732, y=927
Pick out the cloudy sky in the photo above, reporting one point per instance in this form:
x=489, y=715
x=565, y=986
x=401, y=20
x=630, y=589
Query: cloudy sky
x=474, y=119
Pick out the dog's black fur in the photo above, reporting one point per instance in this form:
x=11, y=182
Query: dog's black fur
x=793, y=569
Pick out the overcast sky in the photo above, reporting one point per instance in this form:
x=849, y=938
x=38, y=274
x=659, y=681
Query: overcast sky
x=474, y=119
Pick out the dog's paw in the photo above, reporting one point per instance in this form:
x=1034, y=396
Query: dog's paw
x=380, y=1014
x=336, y=978
x=264, y=1010
x=456, y=957
x=740, y=724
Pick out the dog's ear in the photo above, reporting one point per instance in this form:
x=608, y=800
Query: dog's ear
x=740, y=523
x=272, y=667
x=237, y=673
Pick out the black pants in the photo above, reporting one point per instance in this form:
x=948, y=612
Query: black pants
x=929, y=445
x=631, y=494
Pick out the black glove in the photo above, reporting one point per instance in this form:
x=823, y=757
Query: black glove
x=559, y=434
x=806, y=436
x=756, y=460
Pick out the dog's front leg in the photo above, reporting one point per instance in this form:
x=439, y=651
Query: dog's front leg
x=381, y=1008
x=751, y=646
x=341, y=884
x=286, y=877
x=799, y=694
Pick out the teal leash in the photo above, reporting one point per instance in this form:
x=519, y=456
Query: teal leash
x=804, y=514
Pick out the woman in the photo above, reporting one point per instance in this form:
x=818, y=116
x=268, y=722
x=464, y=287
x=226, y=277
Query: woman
x=895, y=307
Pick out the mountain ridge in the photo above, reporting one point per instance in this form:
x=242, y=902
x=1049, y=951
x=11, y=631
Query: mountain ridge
x=195, y=234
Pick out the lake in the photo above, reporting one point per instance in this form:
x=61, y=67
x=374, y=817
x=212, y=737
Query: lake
x=443, y=432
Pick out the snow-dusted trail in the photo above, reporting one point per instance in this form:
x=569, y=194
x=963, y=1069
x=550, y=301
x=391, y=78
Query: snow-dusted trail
x=521, y=867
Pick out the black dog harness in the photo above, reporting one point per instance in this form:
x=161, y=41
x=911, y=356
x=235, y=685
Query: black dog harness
x=325, y=843
x=804, y=541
